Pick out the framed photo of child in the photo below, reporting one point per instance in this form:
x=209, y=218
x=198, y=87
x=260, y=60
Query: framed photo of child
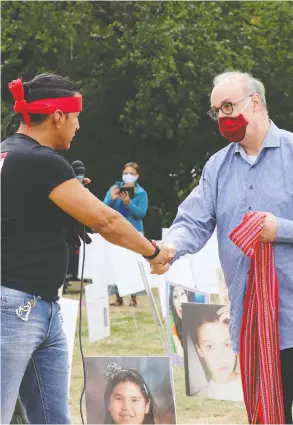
x=129, y=390
x=211, y=366
x=176, y=295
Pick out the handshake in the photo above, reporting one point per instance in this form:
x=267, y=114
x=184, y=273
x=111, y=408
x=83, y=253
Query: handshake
x=161, y=263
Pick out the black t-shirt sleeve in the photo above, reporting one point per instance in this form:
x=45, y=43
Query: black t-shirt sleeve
x=48, y=169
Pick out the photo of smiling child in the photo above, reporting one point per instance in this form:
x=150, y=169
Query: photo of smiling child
x=129, y=390
x=211, y=366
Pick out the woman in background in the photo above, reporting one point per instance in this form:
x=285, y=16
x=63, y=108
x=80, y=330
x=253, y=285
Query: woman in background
x=132, y=204
x=127, y=398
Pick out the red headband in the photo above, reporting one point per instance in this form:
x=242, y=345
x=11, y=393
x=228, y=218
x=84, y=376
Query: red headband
x=42, y=106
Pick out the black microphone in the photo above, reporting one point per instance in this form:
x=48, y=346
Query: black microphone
x=79, y=170
x=75, y=228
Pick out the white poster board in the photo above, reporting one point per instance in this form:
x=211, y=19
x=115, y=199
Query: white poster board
x=204, y=265
x=180, y=272
x=156, y=281
x=60, y=292
x=107, y=264
x=125, y=268
x=69, y=309
x=98, y=264
x=97, y=308
x=163, y=299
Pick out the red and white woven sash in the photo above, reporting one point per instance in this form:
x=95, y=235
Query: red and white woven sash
x=259, y=340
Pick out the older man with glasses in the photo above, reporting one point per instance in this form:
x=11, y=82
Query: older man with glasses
x=252, y=174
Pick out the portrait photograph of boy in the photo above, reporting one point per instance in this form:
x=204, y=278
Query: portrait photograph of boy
x=211, y=366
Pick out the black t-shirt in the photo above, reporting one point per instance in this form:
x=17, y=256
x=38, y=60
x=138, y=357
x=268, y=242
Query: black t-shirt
x=34, y=247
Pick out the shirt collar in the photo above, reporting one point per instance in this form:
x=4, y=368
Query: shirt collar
x=272, y=139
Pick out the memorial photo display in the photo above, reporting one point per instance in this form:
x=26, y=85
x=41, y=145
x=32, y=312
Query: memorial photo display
x=176, y=295
x=129, y=390
x=211, y=366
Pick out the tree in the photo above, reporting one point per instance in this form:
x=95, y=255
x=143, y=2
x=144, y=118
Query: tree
x=146, y=70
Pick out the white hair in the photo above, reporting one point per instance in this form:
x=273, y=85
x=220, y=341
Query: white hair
x=251, y=85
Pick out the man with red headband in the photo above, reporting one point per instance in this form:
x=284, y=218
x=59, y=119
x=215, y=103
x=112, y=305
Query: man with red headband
x=40, y=193
x=246, y=189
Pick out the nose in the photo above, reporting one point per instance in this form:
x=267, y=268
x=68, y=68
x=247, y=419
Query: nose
x=220, y=355
x=126, y=405
x=77, y=124
x=223, y=354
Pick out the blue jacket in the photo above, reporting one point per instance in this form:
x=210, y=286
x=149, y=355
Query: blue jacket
x=135, y=211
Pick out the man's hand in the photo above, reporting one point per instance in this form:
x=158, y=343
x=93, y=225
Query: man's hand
x=160, y=264
x=114, y=193
x=124, y=196
x=270, y=227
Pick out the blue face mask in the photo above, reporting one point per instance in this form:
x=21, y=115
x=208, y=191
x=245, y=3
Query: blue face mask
x=129, y=178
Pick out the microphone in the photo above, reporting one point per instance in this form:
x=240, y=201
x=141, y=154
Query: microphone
x=75, y=228
x=79, y=170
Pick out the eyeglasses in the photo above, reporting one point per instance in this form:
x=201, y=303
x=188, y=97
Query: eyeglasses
x=226, y=108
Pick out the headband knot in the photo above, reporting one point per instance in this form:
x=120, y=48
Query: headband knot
x=16, y=89
x=42, y=106
x=20, y=106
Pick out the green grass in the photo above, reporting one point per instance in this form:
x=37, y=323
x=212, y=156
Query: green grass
x=138, y=335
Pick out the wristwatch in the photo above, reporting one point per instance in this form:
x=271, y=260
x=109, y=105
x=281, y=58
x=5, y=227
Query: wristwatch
x=157, y=252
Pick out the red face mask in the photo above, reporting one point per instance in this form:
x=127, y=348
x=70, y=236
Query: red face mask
x=233, y=128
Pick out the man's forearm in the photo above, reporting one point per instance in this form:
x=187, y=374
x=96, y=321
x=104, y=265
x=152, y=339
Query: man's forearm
x=184, y=241
x=120, y=232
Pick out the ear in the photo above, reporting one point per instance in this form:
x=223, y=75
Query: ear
x=59, y=118
x=147, y=408
x=199, y=352
x=256, y=102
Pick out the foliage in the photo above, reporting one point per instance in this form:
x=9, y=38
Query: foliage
x=146, y=70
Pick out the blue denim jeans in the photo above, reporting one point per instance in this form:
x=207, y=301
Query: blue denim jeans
x=34, y=359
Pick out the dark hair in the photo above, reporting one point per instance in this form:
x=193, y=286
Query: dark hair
x=208, y=315
x=133, y=376
x=43, y=86
x=176, y=318
x=133, y=165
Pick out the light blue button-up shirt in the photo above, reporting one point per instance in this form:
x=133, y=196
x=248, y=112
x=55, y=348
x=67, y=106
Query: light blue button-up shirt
x=229, y=187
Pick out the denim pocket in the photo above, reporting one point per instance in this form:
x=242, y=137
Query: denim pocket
x=10, y=302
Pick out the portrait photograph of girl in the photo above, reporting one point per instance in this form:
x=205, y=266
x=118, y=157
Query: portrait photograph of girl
x=129, y=390
x=211, y=366
x=176, y=295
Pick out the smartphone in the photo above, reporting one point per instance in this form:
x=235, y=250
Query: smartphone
x=130, y=190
